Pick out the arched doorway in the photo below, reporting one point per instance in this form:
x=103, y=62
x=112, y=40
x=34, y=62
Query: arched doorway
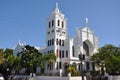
x=66, y=65
x=85, y=49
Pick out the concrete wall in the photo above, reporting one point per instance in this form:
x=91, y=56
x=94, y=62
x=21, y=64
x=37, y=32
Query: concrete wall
x=57, y=78
x=77, y=78
x=51, y=78
x=70, y=78
x=62, y=78
x=114, y=78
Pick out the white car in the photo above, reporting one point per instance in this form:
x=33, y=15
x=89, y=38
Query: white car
x=1, y=77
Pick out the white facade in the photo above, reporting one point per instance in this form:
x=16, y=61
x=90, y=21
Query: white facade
x=19, y=48
x=67, y=49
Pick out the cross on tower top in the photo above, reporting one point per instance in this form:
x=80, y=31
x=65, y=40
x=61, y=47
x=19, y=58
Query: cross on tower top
x=56, y=9
x=56, y=5
x=86, y=20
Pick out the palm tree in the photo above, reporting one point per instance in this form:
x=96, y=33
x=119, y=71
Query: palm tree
x=45, y=58
x=50, y=58
x=41, y=60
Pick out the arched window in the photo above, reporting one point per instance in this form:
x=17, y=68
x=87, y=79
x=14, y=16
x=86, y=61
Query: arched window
x=60, y=53
x=87, y=65
x=49, y=32
x=48, y=42
x=62, y=24
x=58, y=22
x=60, y=65
x=56, y=41
x=57, y=66
x=49, y=24
x=73, y=53
x=60, y=42
x=66, y=53
x=86, y=48
x=52, y=22
x=52, y=41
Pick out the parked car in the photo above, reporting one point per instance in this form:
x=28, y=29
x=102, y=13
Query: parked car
x=1, y=77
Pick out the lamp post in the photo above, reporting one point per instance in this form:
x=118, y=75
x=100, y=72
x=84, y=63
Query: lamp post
x=7, y=70
x=7, y=73
x=81, y=58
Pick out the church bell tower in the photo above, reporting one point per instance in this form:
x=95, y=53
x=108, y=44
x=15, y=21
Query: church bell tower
x=56, y=35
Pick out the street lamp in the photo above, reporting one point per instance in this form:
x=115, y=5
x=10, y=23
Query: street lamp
x=7, y=70
x=81, y=58
x=7, y=73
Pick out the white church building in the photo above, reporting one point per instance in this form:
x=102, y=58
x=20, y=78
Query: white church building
x=66, y=49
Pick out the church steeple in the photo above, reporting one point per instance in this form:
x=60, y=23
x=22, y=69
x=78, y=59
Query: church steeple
x=56, y=31
x=86, y=22
x=56, y=9
x=56, y=5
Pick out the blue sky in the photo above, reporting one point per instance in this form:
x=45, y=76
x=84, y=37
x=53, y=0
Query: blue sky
x=26, y=20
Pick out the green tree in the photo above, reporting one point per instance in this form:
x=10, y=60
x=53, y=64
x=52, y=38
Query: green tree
x=41, y=60
x=50, y=58
x=2, y=62
x=17, y=64
x=71, y=69
x=108, y=57
x=1, y=56
x=32, y=58
x=45, y=58
x=9, y=59
x=29, y=57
